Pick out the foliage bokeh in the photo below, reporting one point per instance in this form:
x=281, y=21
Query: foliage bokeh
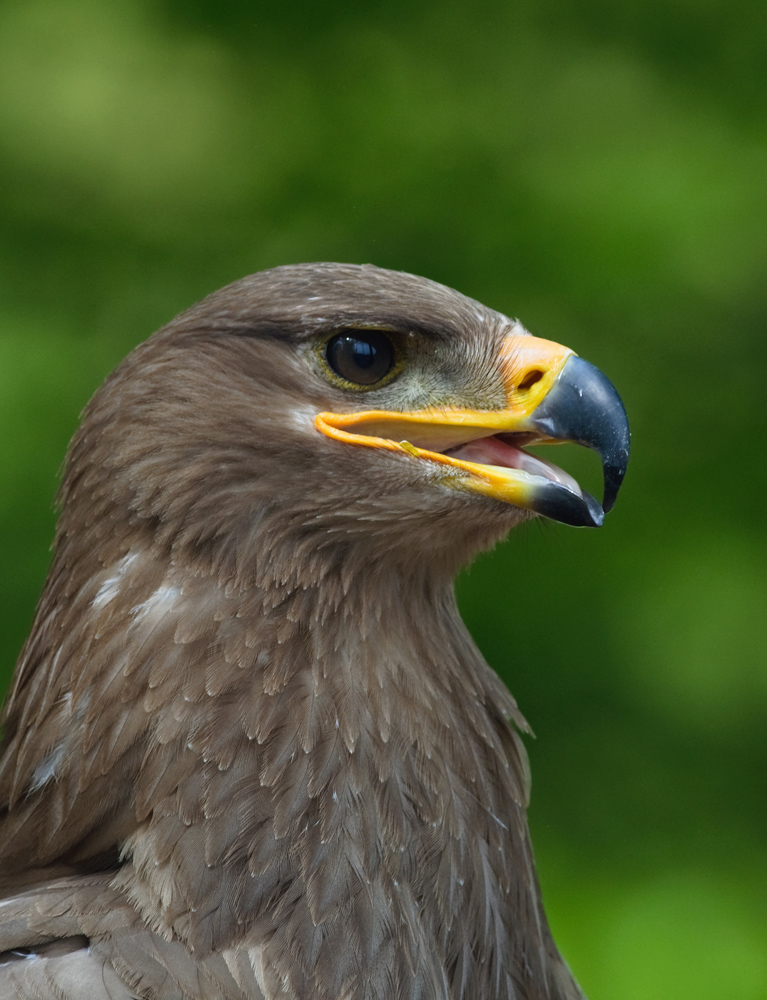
x=595, y=169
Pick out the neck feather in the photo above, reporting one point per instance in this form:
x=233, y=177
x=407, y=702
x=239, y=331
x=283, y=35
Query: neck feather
x=335, y=781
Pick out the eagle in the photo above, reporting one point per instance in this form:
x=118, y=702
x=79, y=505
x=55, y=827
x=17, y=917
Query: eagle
x=250, y=750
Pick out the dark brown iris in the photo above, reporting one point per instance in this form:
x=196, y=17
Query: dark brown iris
x=363, y=357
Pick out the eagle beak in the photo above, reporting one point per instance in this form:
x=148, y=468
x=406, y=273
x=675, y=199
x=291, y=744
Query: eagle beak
x=552, y=396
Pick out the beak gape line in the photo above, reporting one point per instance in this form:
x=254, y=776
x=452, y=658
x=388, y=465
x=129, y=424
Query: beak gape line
x=553, y=396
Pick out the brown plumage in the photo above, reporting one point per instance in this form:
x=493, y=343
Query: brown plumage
x=250, y=749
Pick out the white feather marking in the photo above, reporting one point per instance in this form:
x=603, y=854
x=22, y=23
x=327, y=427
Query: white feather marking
x=302, y=418
x=46, y=769
x=158, y=603
x=110, y=588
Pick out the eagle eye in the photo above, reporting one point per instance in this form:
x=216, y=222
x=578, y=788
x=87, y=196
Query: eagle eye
x=363, y=357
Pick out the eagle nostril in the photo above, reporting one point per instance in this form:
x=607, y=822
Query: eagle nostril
x=530, y=379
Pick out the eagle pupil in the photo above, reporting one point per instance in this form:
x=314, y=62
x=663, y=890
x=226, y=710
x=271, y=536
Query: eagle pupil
x=363, y=357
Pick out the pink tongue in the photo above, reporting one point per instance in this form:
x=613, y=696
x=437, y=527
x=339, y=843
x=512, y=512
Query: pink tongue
x=492, y=451
x=489, y=451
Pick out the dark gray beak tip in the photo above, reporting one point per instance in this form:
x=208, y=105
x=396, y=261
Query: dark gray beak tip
x=557, y=502
x=584, y=407
x=613, y=476
x=596, y=511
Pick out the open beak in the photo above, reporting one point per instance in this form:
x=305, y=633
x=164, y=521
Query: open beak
x=552, y=396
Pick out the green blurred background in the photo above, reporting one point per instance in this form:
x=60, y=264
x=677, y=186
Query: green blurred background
x=597, y=169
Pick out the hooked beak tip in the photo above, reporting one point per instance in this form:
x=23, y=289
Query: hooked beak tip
x=584, y=407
